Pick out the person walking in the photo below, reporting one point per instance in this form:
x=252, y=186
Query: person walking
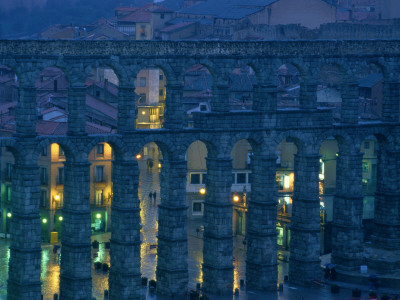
x=155, y=197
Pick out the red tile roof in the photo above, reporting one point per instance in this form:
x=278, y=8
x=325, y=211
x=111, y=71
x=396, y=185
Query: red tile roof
x=60, y=128
x=101, y=106
x=176, y=26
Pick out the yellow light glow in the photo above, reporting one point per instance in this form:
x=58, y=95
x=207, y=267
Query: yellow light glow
x=138, y=156
x=44, y=221
x=202, y=191
x=9, y=215
x=236, y=198
x=159, y=165
x=60, y=218
x=57, y=197
x=143, y=112
x=98, y=216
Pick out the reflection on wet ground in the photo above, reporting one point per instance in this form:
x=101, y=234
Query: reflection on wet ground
x=149, y=182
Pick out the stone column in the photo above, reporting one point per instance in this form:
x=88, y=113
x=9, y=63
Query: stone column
x=220, y=101
x=308, y=94
x=126, y=109
x=172, y=269
x=350, y=103
x=304, y=262
x=261, y=262
x=218, y=242
x=124, y=275
x=386, y=232
x=265, y=97
x=347, y=232
x=25, y=228
x=26, y=114
x=77, y=110
x=173, y=115
x=75, y=269
x=391, y=99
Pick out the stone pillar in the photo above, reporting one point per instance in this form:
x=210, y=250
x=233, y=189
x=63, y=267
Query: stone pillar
x=304, y=262
x=124, y=275
x=77, y=110
x=126, y=109
x=386, y=233
x=347, y=232
x=26, y=114
x=25, y=229
x=308, y=94
x=173, y=115
x=220, y=101
x=265, y=98
x=391, y=100
x=75, y=269
x=350, y=103
x=172, y=269
x=218, y=242
x=261, y=262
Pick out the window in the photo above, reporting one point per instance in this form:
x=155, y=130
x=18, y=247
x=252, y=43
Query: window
x=197, y=208
x=43, y=176
x=8, y=193
x=203, y=107
x=60, y=202
x=203, y=178
x=365, y=167
x=161, y=92
x=61, y=152
x=194, y=178
x=43, y=198
x=241, y=178
x=60, y=175
x=162, y=16
x=161, y=77
x=99, y=173
x=100, y=149
x=44, y=151
x=99, y=197
x=97, y=94
x=366, y=145
x=142, y=81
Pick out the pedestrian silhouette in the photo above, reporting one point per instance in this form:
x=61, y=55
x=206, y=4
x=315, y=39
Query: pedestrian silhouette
x=155, y=197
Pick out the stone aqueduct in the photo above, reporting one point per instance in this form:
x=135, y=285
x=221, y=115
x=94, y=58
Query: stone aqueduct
x=264, y=127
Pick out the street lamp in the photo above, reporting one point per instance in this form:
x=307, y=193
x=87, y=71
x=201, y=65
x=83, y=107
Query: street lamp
x=98, y=216
x=202, y=191
x=9, y=215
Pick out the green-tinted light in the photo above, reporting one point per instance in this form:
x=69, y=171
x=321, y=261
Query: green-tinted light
x=60, y=218
x=44, y=221
x=98, y=216
x=9, y=215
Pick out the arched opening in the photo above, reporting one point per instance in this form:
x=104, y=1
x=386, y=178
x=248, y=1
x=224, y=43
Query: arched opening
x=102, y=100
x=7, y=171
x=328, y=151
x=285, y=184
x=288, y=85
x=369, y=147
x=240, y=191
x=370, y=92
x=101, y=193
x=52, y=102
x=197, y=92
x=150, y=163
x=195, y=197
x=241, y=91
x=330, y=78
x=150, y=87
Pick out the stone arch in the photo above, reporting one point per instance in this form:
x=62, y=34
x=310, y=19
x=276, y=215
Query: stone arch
x=118, y=146
x=73, y=152
x=301, y=141
x=212, y=149
x=345, y=141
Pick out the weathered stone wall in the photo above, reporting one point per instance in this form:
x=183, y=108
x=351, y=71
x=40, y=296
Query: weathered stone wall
x=264, y=127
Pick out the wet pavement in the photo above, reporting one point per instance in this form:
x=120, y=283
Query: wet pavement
x=149, y=182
